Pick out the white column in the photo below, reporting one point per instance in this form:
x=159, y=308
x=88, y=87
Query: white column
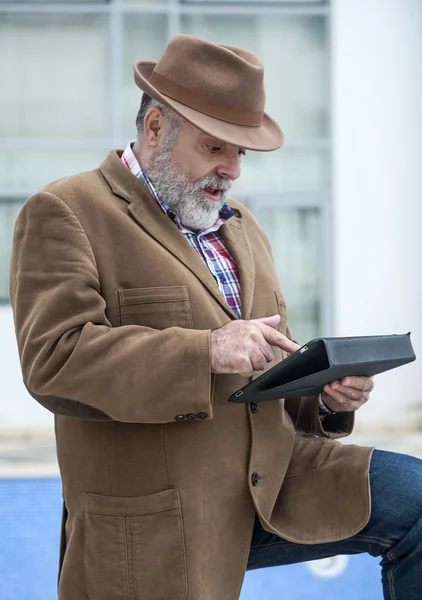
x=18, y=411
x=377, y=190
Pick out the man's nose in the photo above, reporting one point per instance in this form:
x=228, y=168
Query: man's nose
x=229, y=168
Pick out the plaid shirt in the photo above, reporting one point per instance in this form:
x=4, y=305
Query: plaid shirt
x=207, y=243
x=210, y=247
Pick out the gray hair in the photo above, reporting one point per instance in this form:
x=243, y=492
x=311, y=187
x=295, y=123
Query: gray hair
x=174, y=120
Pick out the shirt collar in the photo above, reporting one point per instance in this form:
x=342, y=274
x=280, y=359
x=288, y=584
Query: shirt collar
x=129, y=159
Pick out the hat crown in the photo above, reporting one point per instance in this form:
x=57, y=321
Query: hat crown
x=218, y=89
x=227, y=76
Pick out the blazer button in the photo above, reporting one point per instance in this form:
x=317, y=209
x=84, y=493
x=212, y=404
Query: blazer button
x=191, y=417
x=255, y=478
x=202, y=415
x=254, y=408
x=179, y=418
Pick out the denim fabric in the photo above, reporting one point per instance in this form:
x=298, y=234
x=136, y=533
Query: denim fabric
x=393, y=532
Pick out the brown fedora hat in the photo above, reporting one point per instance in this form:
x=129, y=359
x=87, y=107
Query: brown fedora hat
x=217, y=88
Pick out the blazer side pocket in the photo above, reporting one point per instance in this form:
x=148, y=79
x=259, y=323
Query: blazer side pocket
x=134, y=547
x=310, y=453
x=156, y=307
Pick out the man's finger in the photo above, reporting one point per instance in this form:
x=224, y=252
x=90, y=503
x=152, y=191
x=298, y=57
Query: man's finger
x=348, y=391
x=340, y=403
x=272, y=321
x=258, y=360
x=267, y=351
x=275, y=338
x=366, y=384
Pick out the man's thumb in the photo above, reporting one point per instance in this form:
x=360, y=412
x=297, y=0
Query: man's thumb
x=270, y=321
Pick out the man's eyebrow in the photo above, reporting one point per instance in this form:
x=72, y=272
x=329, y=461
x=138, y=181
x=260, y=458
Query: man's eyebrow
x=214, y=141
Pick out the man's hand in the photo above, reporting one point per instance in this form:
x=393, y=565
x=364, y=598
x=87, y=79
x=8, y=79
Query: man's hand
x=246, y=346
x=349, y=394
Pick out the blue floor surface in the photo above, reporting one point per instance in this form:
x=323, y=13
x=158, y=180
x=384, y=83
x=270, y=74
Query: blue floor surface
x=30, y=512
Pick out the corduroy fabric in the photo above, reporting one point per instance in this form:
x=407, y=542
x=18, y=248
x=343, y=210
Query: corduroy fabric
x=162, y=477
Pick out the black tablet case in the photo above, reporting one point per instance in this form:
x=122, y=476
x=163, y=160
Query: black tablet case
x=323, y=360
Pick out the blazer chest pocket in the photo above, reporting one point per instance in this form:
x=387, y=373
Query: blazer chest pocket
x=134, y=547
x=156, y=307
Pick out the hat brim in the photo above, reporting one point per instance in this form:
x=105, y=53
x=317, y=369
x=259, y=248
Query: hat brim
x=264, y=138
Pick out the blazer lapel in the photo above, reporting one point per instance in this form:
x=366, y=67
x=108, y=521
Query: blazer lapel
x=236, y=242
x=145, y=210
x=159, y=226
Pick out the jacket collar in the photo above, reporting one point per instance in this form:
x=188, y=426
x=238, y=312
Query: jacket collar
x=145, y=210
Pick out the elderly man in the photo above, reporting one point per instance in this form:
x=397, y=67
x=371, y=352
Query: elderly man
x=143, y=298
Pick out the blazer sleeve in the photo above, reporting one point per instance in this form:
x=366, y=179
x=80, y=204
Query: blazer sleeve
x=306, y=416
x=73, y=361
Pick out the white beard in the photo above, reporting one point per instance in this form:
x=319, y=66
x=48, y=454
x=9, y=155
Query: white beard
x=187, y=198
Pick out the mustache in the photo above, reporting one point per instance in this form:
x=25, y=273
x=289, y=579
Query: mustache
x=213, y=181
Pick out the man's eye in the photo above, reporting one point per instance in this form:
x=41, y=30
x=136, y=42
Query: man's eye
x=214, y=149
x=242, y=152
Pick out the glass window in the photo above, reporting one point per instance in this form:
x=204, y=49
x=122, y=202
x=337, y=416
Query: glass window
x=296, y=238
x=25, y=171
x=287, y=169
x=145, y=37
x=8, y=212
x=293, y=51
x=57, y=1
x=54, y=76
x=153, y=3
x=250, y=1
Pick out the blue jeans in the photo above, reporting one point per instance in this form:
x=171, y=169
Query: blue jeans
x=393, y=532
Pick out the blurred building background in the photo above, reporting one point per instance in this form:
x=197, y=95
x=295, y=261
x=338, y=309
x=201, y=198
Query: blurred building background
x=341, y=201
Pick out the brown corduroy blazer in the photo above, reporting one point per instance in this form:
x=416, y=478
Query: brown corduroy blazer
x=113, y=310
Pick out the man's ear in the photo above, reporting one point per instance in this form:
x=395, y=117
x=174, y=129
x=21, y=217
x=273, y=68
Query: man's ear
x=154, y=123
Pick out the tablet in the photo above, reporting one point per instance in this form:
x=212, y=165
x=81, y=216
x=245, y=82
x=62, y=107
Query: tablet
x=323, y=360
